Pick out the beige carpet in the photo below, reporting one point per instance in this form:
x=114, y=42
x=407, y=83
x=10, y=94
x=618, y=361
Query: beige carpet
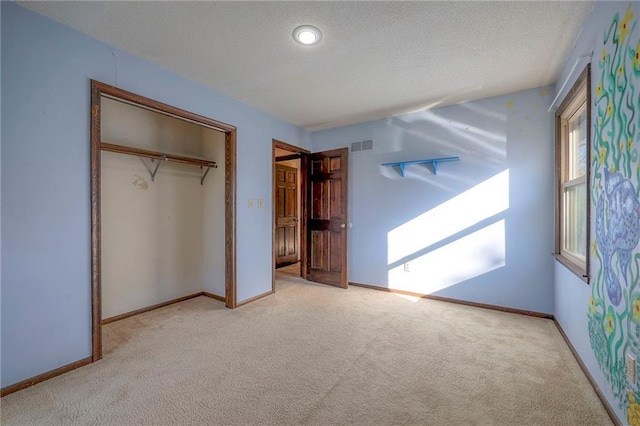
x=312, y=354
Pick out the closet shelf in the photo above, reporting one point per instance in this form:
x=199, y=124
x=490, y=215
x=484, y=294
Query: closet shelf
x=433, y=161
x=155, y=155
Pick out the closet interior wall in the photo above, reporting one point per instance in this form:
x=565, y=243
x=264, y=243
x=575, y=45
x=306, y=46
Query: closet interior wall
x=162, y=238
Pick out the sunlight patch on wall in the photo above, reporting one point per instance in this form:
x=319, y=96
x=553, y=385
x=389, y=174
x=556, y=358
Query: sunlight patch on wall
x=492, y=114
x=457, y=214
x=441, y=128
x=468, y=257
x=490, y=141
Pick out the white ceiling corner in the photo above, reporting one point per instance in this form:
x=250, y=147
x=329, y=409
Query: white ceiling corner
x=376, y=59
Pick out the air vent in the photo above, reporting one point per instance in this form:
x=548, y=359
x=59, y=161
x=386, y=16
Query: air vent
x=362, y=146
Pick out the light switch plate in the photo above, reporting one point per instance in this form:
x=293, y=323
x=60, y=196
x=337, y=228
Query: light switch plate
x=250, y=203
x=260, y=203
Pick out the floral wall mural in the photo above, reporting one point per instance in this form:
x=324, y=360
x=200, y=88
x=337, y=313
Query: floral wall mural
x=614, y=311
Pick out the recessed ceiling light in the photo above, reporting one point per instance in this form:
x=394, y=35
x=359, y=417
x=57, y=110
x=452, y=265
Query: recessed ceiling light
x=307, y=35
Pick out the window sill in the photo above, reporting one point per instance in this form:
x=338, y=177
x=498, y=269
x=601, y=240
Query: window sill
x=576, y=270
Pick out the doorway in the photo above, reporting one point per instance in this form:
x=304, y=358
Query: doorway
x=289, y=211
x=310, y=213
x=195, y=158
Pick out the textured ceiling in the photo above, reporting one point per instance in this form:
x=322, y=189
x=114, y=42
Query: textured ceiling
x=376, y=59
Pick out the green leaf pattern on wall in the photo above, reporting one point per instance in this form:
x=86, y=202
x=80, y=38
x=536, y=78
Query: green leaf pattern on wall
x=614, y=311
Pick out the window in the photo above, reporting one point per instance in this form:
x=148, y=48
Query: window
x=573, y=131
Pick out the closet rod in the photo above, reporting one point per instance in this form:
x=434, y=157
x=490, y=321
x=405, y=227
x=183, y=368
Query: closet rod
x=121, y=149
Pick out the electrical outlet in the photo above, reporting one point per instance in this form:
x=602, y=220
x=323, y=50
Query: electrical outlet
x=250, y=203
x=406, y=267
x=260, y=203
x=631, y=368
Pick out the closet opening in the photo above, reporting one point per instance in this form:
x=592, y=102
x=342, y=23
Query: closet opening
x=163, y=191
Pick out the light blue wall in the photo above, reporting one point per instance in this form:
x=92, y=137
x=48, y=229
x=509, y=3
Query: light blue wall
x=572, y=297
x=473, y=240
x=46, y=68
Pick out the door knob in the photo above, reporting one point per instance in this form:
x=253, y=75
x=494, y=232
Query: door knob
x=342, y=225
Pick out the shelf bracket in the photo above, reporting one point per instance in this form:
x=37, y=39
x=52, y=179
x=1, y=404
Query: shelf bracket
x=204, y=175
x=153, y=172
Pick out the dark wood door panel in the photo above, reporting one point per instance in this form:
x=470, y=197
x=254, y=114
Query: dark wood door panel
x=319, y=200
x=319, y=250
x=335, y=202
x=280, y=238
x=291, y=241
x=291, y=203
x=335, y=256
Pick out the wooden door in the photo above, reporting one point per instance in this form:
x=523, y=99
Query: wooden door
x=286, y=215
x=327, y=217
